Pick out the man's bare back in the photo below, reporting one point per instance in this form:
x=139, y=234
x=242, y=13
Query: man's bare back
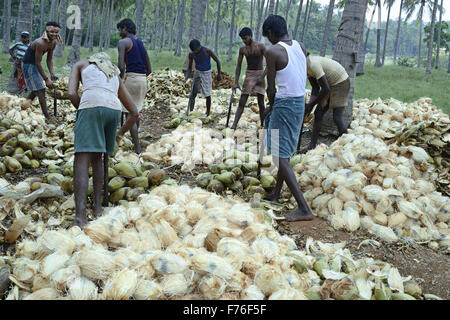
x=254, y=54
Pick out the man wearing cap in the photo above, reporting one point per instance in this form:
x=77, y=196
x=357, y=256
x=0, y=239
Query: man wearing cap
x=16, y=83
x=32, y=68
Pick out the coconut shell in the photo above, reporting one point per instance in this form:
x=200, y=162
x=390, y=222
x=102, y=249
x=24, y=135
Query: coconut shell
x=138, y=182
x=12, y=164
x=125, y=169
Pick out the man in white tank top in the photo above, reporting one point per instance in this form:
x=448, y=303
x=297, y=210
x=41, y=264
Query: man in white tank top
x=285, y=62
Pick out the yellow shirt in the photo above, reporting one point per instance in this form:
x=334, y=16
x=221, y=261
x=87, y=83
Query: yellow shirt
x=318, y=66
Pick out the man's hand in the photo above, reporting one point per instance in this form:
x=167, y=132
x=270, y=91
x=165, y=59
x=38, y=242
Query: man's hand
x=236, y=86
x=186, y=75
x=219, y=76
x=49, y=83
x=118, y=138
x=53, y=77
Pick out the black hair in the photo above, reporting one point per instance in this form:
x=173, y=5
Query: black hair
x=53, y=24
x=275, y=24
x=194, y=44
x=246, y=32
x=127, y=24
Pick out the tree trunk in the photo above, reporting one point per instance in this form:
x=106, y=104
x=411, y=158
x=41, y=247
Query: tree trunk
x=25, y=18
x=163, y=31
x=230, y=48
x=155, y=27
x=139, y=14
x=286, y=14
x=174, y=20
x=297, y=20
x=430, y=44
x=102, y=32
x=271, y=6
x=378, y=57
x=91, y=33
x=42, y=22
x=304, y=21
x=88, y=32
x=369, y=26
x=265, y=10
x=323, y=48
x=53, y=8
x=206, y=29
x=346, y=52
x=180, y=28
x=110, y=21
x=74, y=55
x=398, y=33
x=197, y=16
x=448, y=64
x=276, y=7
x=62, y=21
x=438, y=42
x=251, y=13
x=6, y=26
x=260, y=12
x=386, y=34
x=216, y=40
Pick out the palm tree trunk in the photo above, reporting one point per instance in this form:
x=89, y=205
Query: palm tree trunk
x=102, y=32
x=260, y=12
x=110, y=21
x=309, y=15
x=155, y=27
x=271, y=6
x=251, y=13
x=206, y=29
x=180, y=28
x=174, y=20
x=304, y=21
x=438, y=42
x=216, y=40
x=297, y=20
x=369, y=27
x=346, y=52
x=422, y=5
x=62, y=21
x=91, y=33
x=25, y=18
x=323, y=48
x=53, y=12
x=230, y=48
x=197, y=15
x=267, y=7
x=398, y=33
x=139, y=14
x=286, y=14
x=41, y=23
x=448, y=64
x=386, y=34
x=430, y=44
x=276, y=7
x=163, y=28
x=90, y=22
x=378, y=57
x=6, y=26
x=74, y=55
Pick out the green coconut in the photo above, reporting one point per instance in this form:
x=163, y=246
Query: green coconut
x=253, y=174
x=156, y=176
x=351, y=294
x=26, y=142
x=138, y=182
x=227, y=178
x=250, y=181
x=39, y=152
x=213, y=168
x=126, y=143
x=221, y=167
x=51, y=154
x=203, y=179
x=18, y=127
x=296, y=160
x=68, y=169
x=67, y=184
x=29, y=154
x=402, y=296
x=383, y=293
x=320, y=265
x=133, y=194
x=300, y=266
x=116, y=183
x=119, y=194
x=6, y=150
x=268, y=182
x=313, y=295
x=266, y=162
x=12, y=164
x=170, y=182
x=230, y=164
x=237, y=186
x=23, y=159
x=8, y=134
x=125, y=169
x=227, y=132
x=249, y=167
x=412, y=288
x=18, y=150
x=149, y=165
x=215, y=186
x=55, y=179
x=175, y=122
x=238, y=173
x=7, y=123
x=12, y=142
x=35, y=164
x=111, y=173
x=2, y=168
x=53, y=168
x=256, y=189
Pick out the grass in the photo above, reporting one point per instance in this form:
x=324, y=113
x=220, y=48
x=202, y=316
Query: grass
x=402, y=83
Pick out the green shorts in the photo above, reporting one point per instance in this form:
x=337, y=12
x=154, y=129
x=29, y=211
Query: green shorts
x=95, y=130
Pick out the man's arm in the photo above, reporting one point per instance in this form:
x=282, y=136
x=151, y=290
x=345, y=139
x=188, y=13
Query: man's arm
x=74, y=82
x=238, y=68
x=11, y=51
x=213, y=55
x=147, y=62
x=50, y=62
x=324, y=89
x=188, y=71
x=271, y=72
x=122, y=46
x=37, y=60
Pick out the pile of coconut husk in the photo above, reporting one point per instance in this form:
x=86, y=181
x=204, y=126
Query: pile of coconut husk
x=226, y=82
x=183, y=243
x=166, y=85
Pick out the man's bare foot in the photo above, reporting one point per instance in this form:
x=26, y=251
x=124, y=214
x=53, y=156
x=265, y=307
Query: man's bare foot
x=79, y=222
x=298, y=215
x=273, y=197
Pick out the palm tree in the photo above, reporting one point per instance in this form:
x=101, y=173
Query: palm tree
x=438, y=43
x=53, y=12
x=271, y=6
x=323, y=48
x=91, y=32
x=297, y=19
x=286, y=14
x=110, y=21
x=430, y=45
x=448, y=64
x=389, y=3
x=216, y=39
x=74, y=54
x=163, y=28
x=90, y=23
x=410, y=7
x=155, y=27
x=230, y=48
x=180, y=28
x=41, y=23
x=139, y=14
x=259, y=8
x=398, y=33
x=197, y=15
x=378, y=57
x=102, y=32
x=25, y=18
x=252, y=2
x=6, y=26
x=304, y=20
x=369, y=26
x=62, y=21
x=276, y=7
x=174, y=20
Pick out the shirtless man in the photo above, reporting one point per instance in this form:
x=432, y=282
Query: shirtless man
x=32, y=68
x=254, y=76
x=286, y=62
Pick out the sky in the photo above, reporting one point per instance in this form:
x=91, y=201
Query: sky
x=396, y=8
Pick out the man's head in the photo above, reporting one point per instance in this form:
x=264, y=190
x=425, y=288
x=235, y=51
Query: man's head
x=274, y=28
x=52, y=29
x=125, y=27
x=246, y=35
x=195, y=46
x=25, y=36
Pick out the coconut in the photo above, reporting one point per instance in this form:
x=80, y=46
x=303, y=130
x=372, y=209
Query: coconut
x=125, y=169
x=120, y=286
x=270, y=279
x=167, y=263
x=116, y=183
x=25, y=269
x=203, y=179
x=212, y=287
x=213, y=265
x=252, y=293
x=83, y=289
x=268, y=182
x=156, y=176
x=43, y=294
x=56, y=240
x=95, y=263
x=174, y=285
x=215, y=186
x=62, y=278
x=148, y=290
x=53, y=262
x=12, y=164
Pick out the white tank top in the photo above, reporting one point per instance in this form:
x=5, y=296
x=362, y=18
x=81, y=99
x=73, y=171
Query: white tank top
x=292, y=79
x=98, y=91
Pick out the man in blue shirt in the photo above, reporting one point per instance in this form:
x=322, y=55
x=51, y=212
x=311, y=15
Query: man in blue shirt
x=16, y=83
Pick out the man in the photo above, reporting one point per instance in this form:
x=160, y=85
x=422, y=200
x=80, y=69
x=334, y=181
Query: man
x=285, y=62
x=254, y=76
x=202, y=76
x=32, y=68
x=330, y=88
x=16, y=83
x=98, y=115
x=133, y=56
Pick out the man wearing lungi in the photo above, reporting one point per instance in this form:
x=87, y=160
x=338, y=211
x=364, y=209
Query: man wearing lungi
x=202, y=76
x=32, y=68
x=254, y=76
x=16, y=83
x=330, y=88
x=285, y=62
x=133, y=56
